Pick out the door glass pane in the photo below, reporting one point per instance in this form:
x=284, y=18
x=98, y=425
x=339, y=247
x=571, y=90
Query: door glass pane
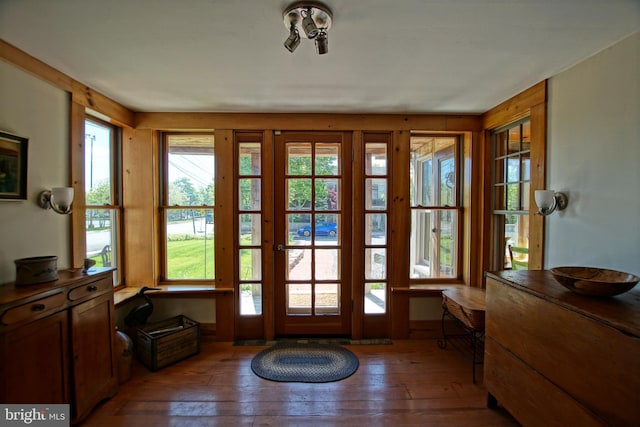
x=375, y=229
x=327, y=264
x=327, y=194
x=327, y=229
x=299, y=229
x=376, y=193
x=327, y=298
x=299, y=159
x=100, y=234
x=376, y=159
x=250, y=299
x=250, y=264
x=189, y=243
x=249, y=153
x=299, y=264
x=250, y=229
x=375, y=298
x=249, y=189
x=298, y=194
x=375, y=260
x=298, y=298
x=98, y=183
x=327, y=159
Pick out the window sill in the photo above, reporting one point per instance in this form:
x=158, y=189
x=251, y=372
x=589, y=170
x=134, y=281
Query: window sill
x=423, y=290
x=170, y=291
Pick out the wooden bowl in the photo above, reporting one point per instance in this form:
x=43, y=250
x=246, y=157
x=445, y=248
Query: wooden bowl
x=598, y=282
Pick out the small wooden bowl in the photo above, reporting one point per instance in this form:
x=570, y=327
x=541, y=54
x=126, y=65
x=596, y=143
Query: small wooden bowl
x=597, y=282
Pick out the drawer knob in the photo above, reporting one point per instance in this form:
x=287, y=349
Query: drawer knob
x=37, y=307
x=92, y=288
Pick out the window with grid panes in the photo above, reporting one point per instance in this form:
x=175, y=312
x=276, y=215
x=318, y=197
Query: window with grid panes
x=511, y=188
x=102, y=193
x=435, y=207
x=188, y=206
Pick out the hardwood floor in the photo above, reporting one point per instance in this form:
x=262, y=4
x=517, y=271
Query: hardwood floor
x=408, y=383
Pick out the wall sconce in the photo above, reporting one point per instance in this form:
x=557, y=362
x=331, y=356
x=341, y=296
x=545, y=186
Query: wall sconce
x=59, y=199
x=548, y=201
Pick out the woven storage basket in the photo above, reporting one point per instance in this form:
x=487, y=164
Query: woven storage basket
x=163, y=343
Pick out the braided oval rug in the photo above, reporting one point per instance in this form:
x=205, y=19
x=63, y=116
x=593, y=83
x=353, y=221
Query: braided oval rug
x=306, y=363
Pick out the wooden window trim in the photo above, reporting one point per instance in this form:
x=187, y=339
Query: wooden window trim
x=532, y=104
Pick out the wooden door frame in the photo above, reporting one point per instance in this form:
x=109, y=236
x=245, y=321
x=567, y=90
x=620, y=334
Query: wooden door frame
x=344, y=325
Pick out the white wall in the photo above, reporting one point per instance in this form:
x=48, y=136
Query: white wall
x=593, y=155
x=36, y=110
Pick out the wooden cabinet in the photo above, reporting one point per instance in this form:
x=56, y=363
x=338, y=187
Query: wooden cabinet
x=57, y=341
x=556, y=358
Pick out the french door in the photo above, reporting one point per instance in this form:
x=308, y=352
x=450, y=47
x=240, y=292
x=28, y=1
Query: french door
x=312, y=287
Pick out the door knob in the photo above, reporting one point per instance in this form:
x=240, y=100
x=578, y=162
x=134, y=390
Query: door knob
x=280, y=248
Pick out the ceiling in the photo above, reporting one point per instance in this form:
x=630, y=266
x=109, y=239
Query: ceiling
x=403, y=56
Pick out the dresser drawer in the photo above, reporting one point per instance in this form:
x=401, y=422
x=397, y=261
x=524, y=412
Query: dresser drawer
x=34, y=309
x=91, y=289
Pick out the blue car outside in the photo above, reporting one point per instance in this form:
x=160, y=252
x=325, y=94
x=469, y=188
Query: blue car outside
x=322, y=229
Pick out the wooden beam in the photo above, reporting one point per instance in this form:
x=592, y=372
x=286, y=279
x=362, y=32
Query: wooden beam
x=515, y=108
x=329, y=122
x=117, y=114
x=80, y=94
x=28, y=63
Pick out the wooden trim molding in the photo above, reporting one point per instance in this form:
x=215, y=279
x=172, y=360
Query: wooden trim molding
x=319, y=122
x=530, y=103
x=80, y=94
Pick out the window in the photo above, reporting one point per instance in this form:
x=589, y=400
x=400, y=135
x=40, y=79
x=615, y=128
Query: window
x=249, y=225
x=188, y=207
x=435, y=207
x=376, y=183
x=511, y=194
x=102, y=193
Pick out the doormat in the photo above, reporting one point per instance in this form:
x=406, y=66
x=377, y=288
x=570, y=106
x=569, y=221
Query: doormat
x=305, y=363
x=336, y=341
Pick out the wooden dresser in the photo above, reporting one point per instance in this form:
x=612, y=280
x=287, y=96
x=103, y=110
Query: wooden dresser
x=556, y=358
x=57, y=339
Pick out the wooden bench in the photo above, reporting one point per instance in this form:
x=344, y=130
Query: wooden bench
x=466, y=306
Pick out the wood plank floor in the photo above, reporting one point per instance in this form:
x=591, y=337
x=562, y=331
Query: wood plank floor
x=408, y=383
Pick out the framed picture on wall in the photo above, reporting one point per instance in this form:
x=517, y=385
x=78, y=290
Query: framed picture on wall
x=13, y=167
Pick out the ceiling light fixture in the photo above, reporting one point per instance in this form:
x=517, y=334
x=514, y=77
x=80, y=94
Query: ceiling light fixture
x=311, y=19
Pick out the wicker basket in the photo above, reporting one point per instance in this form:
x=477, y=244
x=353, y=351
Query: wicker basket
x=163, y=343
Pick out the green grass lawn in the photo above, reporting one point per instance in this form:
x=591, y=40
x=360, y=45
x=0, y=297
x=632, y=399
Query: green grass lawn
x=191, y=259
